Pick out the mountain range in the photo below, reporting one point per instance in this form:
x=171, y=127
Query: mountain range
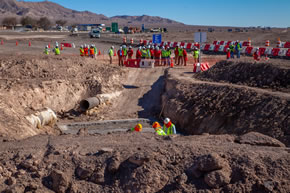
x=54, y=11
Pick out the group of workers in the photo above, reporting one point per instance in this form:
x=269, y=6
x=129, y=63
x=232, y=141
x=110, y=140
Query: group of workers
x=181, y=55
x=162, y=56
x=146, y=52
x=235, y=47
x=56, y=50
x=87, y=50
x=167, y=129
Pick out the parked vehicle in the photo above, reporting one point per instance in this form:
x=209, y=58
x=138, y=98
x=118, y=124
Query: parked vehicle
x=95, y=33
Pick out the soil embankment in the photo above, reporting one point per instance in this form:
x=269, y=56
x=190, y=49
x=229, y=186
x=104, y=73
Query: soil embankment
x=29, y=84
x=143, y=162
x=223, y=100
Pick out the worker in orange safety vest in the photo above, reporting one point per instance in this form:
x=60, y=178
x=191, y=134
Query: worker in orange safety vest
x=92, y=51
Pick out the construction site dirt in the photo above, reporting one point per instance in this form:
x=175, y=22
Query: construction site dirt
x=233, y=121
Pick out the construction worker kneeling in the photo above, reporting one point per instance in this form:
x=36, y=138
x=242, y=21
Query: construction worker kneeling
x=169, y=127
x=158, y=129
x=137, y=128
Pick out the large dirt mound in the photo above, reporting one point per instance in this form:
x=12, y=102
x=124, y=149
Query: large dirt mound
x=262, y=75
x=201, y=107
x=144, y=163
x=31, y=83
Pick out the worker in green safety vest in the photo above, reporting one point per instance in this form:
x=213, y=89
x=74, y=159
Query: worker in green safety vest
x=46, y=50
x=168, y=55
x=195, y=55
x=169, y=127
x=56, y=50
x=158, y=129
x=143, y=53
x=232, y=50
x=163, y=55
x=111, y=54
x=148, y=55
x=125, y=51
x=180, y=56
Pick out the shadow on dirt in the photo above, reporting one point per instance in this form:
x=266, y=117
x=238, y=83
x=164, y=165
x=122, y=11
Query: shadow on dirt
x=130, y=86
x=151, y=101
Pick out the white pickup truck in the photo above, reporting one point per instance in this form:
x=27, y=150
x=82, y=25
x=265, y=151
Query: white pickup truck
x=95, y=33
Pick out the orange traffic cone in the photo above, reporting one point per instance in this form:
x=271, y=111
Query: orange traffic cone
x=29, y=44
x=61, y=48
x=48, y=45
x=171, y=64
x=115, y=53
x=99, y=53
x=16, y=43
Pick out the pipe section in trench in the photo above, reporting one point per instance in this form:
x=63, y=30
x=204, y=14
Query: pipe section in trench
x=92, y=102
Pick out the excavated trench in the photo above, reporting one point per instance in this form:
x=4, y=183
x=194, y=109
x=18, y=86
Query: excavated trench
x=230, y=98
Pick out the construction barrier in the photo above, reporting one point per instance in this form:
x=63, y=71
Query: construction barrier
x=67, y=45
x=197, y=67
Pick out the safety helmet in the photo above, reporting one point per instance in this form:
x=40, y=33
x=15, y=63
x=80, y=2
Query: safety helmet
x=163, y=47
x=144, y=47
x=130, y=47
x=140, y=48
x=82, y=46
x=148, y=46
x=120, y=48
x=124, y=46
x=157, y=48
x=138, y=127
x=85, y=45
x=112, y=47
x=166, y=121
x=46, y=46
x=156, y=125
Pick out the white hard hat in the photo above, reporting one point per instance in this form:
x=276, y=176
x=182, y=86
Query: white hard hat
x=148, y=46
x=130, y=47
x=140, y=48
x=46, y=46
x=112, y=47
x=163, y=47
x=120, y=48
x=144, y=47
x=124, y=46
x=166, y=121
x=82, y=46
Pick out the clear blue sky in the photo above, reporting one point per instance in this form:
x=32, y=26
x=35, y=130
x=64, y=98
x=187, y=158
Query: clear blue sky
x=274, y=13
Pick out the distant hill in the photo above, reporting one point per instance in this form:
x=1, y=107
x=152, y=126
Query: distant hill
x=55, y=11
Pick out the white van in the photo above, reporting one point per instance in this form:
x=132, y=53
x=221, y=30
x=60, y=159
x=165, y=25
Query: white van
x=95, y=33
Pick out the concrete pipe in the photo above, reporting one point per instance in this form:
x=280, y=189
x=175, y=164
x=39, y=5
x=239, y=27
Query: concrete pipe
x=40, y=119
x=90, y=103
